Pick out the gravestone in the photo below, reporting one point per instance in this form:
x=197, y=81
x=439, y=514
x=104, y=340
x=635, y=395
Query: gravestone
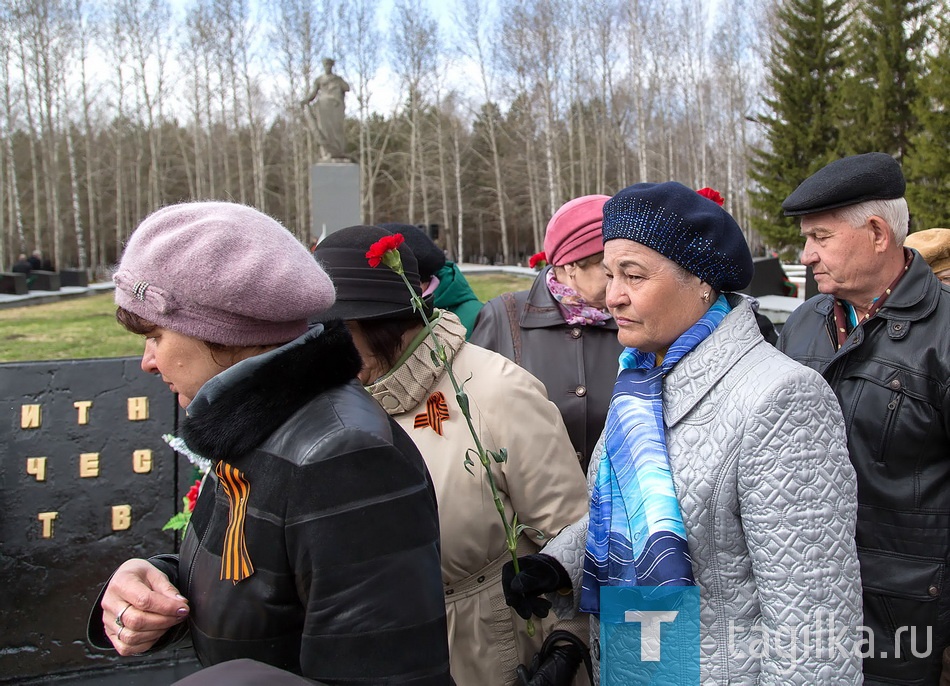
x=811, y=286
x=13, y=283
x=86, y=482
x=74, y=277
x=768, y=278
x=44, y=281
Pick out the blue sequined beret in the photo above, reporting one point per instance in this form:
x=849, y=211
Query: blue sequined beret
x=684, y=226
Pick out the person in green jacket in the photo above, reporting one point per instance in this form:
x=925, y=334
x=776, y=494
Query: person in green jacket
x=441, y=278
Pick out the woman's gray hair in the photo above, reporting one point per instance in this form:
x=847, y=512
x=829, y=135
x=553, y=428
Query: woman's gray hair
x=894, y=212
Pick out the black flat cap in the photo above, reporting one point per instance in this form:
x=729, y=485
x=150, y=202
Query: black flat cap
x=848, y=181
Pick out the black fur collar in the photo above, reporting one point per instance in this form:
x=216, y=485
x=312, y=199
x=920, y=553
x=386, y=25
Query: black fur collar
x=236, y=410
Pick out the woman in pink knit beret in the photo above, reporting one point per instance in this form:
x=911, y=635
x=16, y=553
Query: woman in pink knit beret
x=314, y=542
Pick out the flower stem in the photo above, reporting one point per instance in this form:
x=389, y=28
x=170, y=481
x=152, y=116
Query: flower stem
x=511, y=535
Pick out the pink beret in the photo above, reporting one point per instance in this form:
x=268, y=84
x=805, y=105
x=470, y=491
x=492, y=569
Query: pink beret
x=574, y=231
x=223, y=273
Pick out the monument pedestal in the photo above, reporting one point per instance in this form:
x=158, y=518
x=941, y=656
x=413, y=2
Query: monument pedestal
x=334, y=196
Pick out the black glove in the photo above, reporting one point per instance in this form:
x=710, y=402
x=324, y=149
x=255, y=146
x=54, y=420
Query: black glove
x=557, y=661
x=538, y=574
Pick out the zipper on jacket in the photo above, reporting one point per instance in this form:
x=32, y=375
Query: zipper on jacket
x=893, y=407
x=214, y=513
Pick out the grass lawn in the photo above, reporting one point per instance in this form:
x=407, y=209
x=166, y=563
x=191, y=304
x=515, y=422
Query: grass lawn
x=82, y=328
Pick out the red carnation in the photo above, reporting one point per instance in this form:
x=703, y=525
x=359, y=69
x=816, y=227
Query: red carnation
x=192, y=495
x=538, y=260
x=712, y=194
x=378, y=251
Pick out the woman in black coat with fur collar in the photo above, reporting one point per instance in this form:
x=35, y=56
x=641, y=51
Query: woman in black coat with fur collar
x=313, y=545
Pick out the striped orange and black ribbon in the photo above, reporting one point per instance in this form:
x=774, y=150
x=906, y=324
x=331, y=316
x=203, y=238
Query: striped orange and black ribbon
x=235, y=561
x=437, y=411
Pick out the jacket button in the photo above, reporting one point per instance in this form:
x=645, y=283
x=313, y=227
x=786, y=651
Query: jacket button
x=577, y=332
x=389, y=402
x=895, y=384
x=450, y=591
x=933, y=591
x=480, y=579
x=580, y=391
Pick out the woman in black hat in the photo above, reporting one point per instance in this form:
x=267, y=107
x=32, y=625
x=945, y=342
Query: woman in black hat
x=540, y=481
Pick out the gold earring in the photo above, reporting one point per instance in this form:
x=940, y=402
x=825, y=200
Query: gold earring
x=706, y=297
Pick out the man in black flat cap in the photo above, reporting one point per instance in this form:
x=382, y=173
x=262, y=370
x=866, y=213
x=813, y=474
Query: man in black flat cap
x=879, y=332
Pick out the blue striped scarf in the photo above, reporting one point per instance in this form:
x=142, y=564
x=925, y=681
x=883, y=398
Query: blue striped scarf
x=636, y=535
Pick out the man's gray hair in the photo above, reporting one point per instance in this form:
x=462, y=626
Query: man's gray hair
x=894, y=212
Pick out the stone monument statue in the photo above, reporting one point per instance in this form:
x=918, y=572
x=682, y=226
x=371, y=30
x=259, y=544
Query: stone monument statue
x=327, y=94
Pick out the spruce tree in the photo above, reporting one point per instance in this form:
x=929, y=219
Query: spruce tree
x=888, y=39
x=927, y=165
x=805, y=71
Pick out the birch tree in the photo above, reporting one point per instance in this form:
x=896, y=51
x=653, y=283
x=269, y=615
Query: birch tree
x=10, y=187
x=363, y=40
x=476, y=26
x=414, y=51
x=148, y=24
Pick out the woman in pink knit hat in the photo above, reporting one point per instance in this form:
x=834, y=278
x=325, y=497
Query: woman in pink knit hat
x=314, y=542
x=560, y=330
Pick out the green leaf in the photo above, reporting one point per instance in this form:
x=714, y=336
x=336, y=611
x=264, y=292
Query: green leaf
x=524, y=527
x=501, y=456
x=462, y=399
x=468, y=460
x=179, y=521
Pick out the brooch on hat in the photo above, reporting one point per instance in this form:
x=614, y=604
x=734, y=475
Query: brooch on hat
x=437, y=411
x=138, y=290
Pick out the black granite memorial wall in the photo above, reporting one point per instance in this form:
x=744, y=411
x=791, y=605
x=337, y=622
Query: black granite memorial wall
x=86, y=482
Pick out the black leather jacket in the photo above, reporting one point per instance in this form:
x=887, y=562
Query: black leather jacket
x=341, y=525
x=577, y=364
x=892, y=378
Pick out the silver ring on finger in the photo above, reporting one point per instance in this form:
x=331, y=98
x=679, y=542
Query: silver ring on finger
x=119, y=635
x=118, y=617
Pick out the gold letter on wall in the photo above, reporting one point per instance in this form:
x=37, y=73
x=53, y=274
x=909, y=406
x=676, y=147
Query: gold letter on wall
x=36, y=466
x=30, y=416
x=88, y=465
x=142, y=461
x=138, y=409
x=83, y=407
x=121, y=517
x=47, y=519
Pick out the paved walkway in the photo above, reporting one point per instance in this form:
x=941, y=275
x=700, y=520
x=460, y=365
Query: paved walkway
x=38, y=297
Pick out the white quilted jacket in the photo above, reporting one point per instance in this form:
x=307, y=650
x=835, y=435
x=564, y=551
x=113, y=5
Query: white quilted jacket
x=759, y=455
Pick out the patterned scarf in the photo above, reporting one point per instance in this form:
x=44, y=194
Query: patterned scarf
x=636, y=535
x=573, y=306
